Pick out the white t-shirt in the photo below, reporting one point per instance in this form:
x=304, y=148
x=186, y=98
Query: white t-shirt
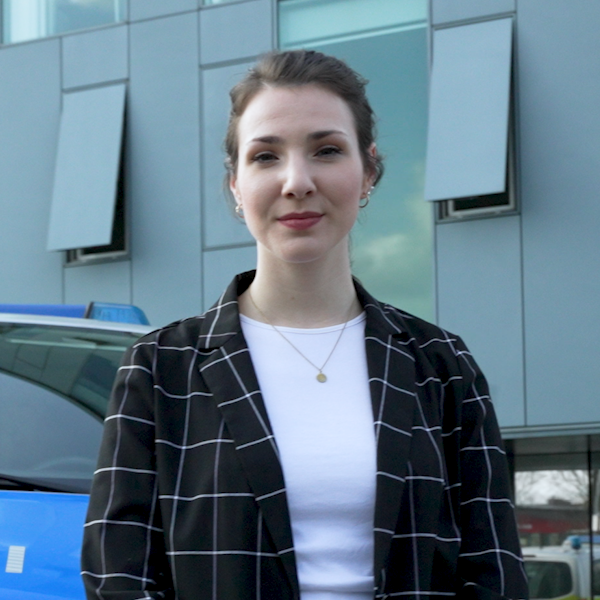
x=326, y=440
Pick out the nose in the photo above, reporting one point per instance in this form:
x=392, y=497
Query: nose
x=298, y=179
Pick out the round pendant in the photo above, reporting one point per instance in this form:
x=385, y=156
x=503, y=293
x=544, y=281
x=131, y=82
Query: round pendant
x=321, y=378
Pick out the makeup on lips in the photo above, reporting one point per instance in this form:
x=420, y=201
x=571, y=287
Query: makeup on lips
x=301, y=220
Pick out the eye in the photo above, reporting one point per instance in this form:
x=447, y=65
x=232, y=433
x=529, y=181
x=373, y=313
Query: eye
x=328, y=151
x=264, y=158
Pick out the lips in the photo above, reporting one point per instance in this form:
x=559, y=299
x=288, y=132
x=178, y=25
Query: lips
x=300, y=221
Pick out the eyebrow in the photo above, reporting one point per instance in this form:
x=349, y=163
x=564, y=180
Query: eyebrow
x=316, y=135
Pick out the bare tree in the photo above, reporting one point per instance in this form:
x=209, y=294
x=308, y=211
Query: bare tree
x=541, y=487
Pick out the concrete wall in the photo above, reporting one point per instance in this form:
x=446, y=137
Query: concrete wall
x=30, y=99
x=178, y=59
x=524, y=290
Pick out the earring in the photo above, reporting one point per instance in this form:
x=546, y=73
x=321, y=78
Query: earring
x=366, y=197
x=239, y=211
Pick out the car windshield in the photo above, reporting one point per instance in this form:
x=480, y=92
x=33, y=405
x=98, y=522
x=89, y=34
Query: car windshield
x=548, y=579
x=54, y=387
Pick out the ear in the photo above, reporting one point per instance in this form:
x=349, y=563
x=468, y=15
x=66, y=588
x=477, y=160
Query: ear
x=233, y=187
x=370, y=173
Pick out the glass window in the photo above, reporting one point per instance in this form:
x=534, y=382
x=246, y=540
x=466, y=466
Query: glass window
x=30, y=19
x=86, y=180
x=385, y=41
x=469, y=110
x=552, y=489
x=548, y=579
x=594, y=449
x=557, y=500
x=596, y=574
x=304, y=23
x=37, y=436
x=54, y=387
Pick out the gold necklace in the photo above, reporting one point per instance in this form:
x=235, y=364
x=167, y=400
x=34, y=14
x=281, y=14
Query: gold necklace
x=321, y=377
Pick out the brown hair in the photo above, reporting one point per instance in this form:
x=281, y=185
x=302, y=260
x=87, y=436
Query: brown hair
x=304, y=67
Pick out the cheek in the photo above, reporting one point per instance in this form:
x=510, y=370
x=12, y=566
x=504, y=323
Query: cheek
x=254, y=199
x=251, y=187
x=351, y=188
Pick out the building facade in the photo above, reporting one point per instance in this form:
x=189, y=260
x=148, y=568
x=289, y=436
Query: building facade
x=112, y=115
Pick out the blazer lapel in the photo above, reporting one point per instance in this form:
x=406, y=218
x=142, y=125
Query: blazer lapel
x=230, y=376
x=391, y=370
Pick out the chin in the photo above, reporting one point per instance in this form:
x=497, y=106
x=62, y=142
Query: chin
x=314, y=255
x=301, y=258
x=295, y=257
x=307, y=251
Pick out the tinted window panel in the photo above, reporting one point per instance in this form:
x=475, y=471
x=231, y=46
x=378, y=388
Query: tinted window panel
x=54, y=387
x=43, y=435
x=548, y=579
x=30, y=19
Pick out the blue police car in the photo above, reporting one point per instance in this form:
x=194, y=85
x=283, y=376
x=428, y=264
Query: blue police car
x=56, y=374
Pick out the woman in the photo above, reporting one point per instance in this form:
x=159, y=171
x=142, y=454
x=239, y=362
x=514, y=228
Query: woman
x=301, y=439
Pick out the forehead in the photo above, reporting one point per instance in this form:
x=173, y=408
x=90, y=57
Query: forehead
x=294, y=110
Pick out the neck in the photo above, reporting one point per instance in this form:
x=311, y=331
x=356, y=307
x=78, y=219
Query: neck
x=302, y=295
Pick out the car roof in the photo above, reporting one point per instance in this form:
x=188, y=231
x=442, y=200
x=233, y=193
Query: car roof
x=92, y=324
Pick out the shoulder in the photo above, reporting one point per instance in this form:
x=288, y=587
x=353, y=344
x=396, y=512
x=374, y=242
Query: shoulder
x=172, y=347
x=191, y=337
x=422, y=334
x=385, y=320
x=437, y=353
x=206, y=331
x=179, y=334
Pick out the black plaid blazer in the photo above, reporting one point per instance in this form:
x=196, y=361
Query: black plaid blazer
x=189, y=499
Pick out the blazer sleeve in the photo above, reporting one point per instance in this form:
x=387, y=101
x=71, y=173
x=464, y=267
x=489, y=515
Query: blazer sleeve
x=490, y=565
x=123, y=554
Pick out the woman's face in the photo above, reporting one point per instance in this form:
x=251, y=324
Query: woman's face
x=300, y=175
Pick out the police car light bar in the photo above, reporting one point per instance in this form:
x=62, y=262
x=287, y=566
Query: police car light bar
x=100, y=311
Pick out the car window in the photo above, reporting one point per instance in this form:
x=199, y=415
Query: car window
x=596, y=576
x=54, y=387
x=548, y=579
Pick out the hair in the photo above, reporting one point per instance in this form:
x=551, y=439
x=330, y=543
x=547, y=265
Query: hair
x=295, y=68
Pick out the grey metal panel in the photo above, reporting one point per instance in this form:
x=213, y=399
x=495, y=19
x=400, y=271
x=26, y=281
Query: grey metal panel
x=220, y=225
x=164, y=167
x=219, y=268
x=235, y=31
x=480, y=299
x=95, y=57
x=468, y=112
x=559, y=85
x=87, y=166
x=106, y=282
x=445, y=11
x=147, y=9
x=30, y=114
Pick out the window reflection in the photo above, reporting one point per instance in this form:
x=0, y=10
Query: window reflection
x=45, y=437
x=392, y=242
x=553, y=504
x=548, y=579
x=54, y=387
x=557, y=497
x=31, y=19
x=386, y=42
x=595, y=513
